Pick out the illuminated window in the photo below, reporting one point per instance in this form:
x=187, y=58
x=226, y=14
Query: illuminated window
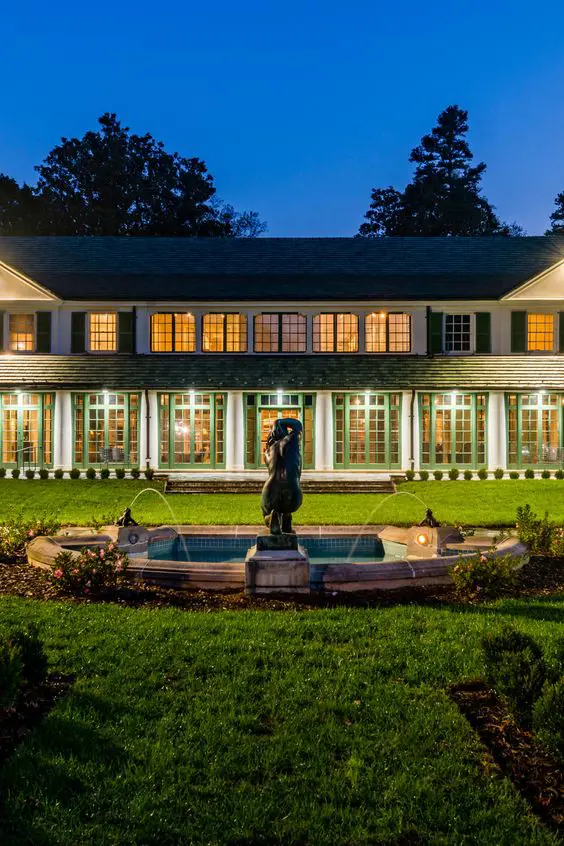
x=540, y=332
x=103, y=332
x=280, y=333
x=173, y=332
x=335, y=333
x=457, y=333
x=22, y=332
x=388, y=332
x=224, y=333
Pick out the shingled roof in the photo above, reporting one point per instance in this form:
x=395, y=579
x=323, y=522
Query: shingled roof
x=78, y=268
x=263, y=372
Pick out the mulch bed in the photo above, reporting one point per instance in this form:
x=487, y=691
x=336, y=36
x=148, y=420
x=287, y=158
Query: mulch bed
x=33, y=705
x=540, y=577
x=514, y=752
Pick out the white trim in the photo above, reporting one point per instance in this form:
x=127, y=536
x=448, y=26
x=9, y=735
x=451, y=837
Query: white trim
x=526, y=285
x=21, y=277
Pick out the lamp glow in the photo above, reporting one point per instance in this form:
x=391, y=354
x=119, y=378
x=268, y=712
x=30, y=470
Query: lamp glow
x=422, y=540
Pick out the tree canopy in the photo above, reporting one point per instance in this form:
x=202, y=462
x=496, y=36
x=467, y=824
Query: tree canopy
x=114, y=182
x=557, y=216
x=443, y=197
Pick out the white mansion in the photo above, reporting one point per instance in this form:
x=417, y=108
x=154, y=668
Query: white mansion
x=177, y=354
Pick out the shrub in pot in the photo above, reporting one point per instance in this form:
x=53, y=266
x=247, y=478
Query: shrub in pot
x=438, y=474
x=453, y=474
x=16, y=473
x=43, y=473
x=75, y=473
x=30, y=474
x=516, y=669
x=468, y=475
x=105, y=473
x=91, y=473
x=135, y=472
x=482, y=474
x=59, y=473
x=120, y=473
x=545, y=474
x=499, y=473
x=529, y=473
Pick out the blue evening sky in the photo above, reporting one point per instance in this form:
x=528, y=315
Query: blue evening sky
x=298, y=108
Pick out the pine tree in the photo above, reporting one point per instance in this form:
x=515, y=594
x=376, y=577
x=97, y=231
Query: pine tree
x=443, y=197
x=557, y=216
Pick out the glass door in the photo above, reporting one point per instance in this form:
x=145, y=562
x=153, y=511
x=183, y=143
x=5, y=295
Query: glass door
x=192, y=430
x=26, y=429
x=106, y=429
x=261, y=412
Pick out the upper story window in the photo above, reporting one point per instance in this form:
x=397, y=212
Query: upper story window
x=335, y=333
x=22, y=332
x=280, y=333
x=102, y=332
x=224, y=333
x=457, y=333
x=173, y=332
x=388, y=332
x=540, y=332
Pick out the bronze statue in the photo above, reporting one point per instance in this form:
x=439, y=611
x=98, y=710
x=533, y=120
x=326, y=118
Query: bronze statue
x=126, y=519
x=282, y=494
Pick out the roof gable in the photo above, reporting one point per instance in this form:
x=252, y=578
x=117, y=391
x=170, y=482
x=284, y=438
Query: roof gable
x=16, y=286
x=546, y=286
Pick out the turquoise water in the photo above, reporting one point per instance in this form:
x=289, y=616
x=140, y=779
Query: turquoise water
x=324, y=549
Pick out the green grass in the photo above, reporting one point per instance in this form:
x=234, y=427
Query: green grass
x=490, y=503
x=329, y=727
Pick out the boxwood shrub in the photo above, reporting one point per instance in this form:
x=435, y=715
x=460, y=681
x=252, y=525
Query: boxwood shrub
x=453, y=474
x=438, y=474
x=499, y=473
x=120, y=473
x=559, y=474
x=59, y=473
x=424, y=475
x=105, y=473
x=2, y=472
x=91, y=473
x=514, y=474
x=149, y=473
x=16, y=473
x=74, y=473
x=529, y=473
x=545, y=474
x=468, y=475
x=548, y=717
x=482, y=474
x=135, y=472
x=30, y=474
x=43, y=473
x=516, y=669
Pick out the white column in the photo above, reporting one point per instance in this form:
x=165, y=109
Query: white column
x=142, y=424
x=405, y=439
x=324, y=430
x=416, y=434
x=152, y=456
x=234, y=432
x=497, y=435
x=63, y=446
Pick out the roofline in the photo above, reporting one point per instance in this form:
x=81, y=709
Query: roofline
x=29, y=281
x=526, y=285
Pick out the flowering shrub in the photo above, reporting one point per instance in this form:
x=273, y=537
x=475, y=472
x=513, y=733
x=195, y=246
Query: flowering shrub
x=92, y=571
x=15, y=533
x=484, y=575
x=539, y=535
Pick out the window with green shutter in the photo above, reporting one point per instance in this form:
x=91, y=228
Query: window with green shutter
x=435, y=333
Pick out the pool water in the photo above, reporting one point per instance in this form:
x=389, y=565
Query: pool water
x=324, y=549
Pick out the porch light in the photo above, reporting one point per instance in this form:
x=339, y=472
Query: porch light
x=422, y=539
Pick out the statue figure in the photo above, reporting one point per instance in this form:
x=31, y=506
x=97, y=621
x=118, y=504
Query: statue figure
x=282, y=494
x=430, y=520
x=126, y=519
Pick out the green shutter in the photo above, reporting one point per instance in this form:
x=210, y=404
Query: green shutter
x=43, y=331
x=561, y=332
x=518, y=331
x=126, y=330
x=435, y=332
x=483, y=332
x=78, y=331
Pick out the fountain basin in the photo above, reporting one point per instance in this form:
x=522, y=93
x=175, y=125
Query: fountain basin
x=342, y=558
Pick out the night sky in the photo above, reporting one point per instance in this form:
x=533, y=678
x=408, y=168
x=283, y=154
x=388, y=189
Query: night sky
x=298, y=108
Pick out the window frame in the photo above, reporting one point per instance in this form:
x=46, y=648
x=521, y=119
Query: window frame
x=89, y=347
x=335, y=315
x=172, y=351
x=33, y=349
x=388, y=314
x=280, y=315
x=226, y=315
x=555, y=329
x=472, y=333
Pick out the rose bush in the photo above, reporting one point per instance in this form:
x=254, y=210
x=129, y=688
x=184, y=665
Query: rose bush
x=91, y=571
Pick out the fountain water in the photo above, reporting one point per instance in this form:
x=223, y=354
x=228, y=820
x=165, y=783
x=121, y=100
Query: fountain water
x=375, y=511
x=172, y=514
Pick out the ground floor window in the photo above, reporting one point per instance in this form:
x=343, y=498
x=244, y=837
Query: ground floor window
x=261, y=410
x=367, y=430
x=534, y=428
x=106, y=429
x=192, y=430
x=26, y=430
x=453, y=429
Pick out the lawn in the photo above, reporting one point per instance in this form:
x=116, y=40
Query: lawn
x=325, y=727
x=489, y=503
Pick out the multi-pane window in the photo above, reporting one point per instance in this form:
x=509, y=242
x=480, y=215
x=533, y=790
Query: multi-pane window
x=26, y=429
x=280, y=333
x=102, y=334
x=192, y=429
x=22, y=332
x=457, y=333
x=540, y=332
x=388, y=332
x=367, y=430
x=453, y=429
x=106, y=428
x=224, y=333
x=173, y=332
x=534, y=429
x=335, y=333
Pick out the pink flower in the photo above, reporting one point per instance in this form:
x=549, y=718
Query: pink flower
x=102, y=553
x=119, y=568
x=86, y=590
x=58, y=574
x=111, y=545
x=74, y=572
x=31, y=533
